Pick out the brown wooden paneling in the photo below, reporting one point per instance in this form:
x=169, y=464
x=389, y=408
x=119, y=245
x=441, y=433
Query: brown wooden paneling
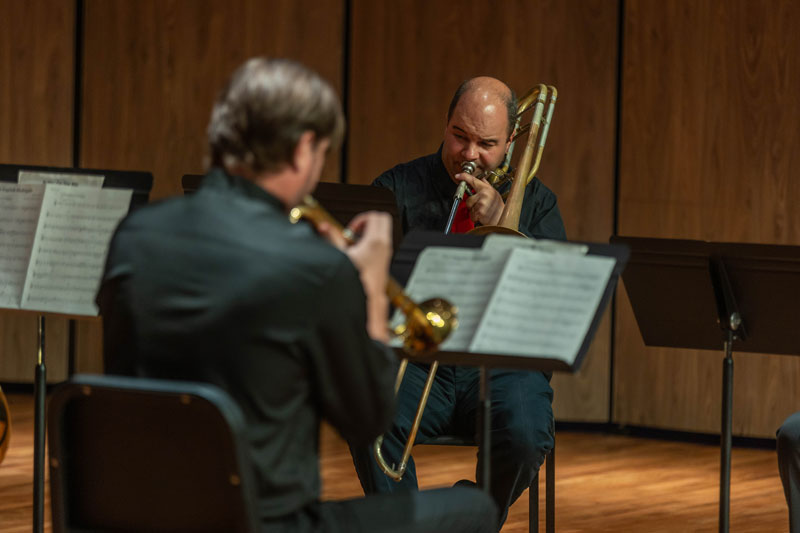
x=407, y=59
x=152, y=69
x=36, y=93
x=708, y=151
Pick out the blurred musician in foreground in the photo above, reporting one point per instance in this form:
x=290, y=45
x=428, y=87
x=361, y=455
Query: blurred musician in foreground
x=789, y=467
x=219, y=287
x=479, y=125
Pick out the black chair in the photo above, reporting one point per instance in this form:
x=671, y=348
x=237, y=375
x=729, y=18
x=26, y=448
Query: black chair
x=134, y=454
x=533, y=489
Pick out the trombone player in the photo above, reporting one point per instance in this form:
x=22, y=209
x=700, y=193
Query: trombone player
x=220, y=287
x=480, y=122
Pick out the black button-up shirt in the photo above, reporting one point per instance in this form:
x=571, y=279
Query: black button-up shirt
x=424, y=193
x=219, y=287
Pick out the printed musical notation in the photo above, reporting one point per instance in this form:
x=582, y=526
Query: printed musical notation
x=54, y=242
x=521, y=301
x=464, y=277
x=19, y=213
x=543, y=304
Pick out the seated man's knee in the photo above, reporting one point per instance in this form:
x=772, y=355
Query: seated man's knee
x=531, y=447
x=526, y=442
x=522, y=417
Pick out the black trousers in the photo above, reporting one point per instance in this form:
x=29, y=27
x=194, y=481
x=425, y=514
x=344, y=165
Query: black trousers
x=521, y=427
x=452, y=510
x=789, y=467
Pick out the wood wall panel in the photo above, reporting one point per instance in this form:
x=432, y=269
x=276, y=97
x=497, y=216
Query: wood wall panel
x=709, y=150
x=152, y=69
x=36, y=93
x=407, y=57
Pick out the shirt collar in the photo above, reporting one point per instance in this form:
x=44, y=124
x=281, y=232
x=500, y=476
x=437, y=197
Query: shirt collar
x=218, y=179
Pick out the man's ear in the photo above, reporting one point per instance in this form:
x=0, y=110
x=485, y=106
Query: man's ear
x=303, y=152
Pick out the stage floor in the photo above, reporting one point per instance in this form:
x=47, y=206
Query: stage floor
x=604, y=483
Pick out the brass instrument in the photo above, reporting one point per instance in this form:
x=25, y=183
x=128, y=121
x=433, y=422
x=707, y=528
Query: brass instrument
x=5, y=425
x=535, y=98
x=469, y=168
x=427, y=325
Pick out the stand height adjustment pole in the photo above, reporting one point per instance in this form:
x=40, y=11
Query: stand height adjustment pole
x=40, y=390
x=727, y=426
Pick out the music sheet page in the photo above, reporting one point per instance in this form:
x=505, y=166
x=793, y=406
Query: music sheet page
x=465, y=277
x=543, y=305
x=70, y=246
x=30, y=177
x=19, y=211
x=497, y=242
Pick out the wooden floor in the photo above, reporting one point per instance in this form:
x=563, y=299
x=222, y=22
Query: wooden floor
x=604, y=483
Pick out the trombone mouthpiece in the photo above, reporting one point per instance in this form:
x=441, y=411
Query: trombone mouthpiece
x=468, y=167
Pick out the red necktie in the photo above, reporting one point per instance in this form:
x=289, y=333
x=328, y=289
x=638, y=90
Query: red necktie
x=461, y=221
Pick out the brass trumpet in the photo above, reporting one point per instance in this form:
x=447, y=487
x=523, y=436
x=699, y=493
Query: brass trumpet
x=427, y=325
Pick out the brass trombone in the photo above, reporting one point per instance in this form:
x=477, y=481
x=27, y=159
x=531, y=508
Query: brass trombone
x=427, y=325
x=535, y=98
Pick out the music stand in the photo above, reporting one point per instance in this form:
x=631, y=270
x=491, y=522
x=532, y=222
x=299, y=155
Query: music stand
x=342, y=200
x=140, y=183
x=402, y=265
x=742, y=295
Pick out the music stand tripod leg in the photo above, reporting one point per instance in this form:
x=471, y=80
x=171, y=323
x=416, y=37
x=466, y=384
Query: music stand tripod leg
x=40, y=391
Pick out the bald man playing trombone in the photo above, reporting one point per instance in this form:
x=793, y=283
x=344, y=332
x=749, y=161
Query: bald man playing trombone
x=480, y=122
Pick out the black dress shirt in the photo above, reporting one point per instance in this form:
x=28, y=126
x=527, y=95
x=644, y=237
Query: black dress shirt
x=219, y=287
x=424, y=194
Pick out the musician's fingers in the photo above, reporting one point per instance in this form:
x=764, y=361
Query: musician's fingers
x=376, y=222
x=331, y=235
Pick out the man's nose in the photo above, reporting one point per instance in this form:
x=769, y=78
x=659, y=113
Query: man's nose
x=470, y=152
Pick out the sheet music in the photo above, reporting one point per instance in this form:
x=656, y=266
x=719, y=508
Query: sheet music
x=465, y=277
x=543, y=305
x=31, y=177
x=499, y=242
x=70, y=246
x=19, y=211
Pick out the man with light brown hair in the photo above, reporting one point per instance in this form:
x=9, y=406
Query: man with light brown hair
x=220, y=287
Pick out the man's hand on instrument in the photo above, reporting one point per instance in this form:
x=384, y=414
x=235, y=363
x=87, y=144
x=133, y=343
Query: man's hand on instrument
x=333, y=235
x=373, y=248
x=485, y=205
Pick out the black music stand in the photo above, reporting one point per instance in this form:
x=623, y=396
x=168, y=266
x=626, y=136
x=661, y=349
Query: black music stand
x=342, y=200
x=709, y=295
x=141, y=183
x=402, y=265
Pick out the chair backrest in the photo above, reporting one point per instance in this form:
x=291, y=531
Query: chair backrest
x=134, y=454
